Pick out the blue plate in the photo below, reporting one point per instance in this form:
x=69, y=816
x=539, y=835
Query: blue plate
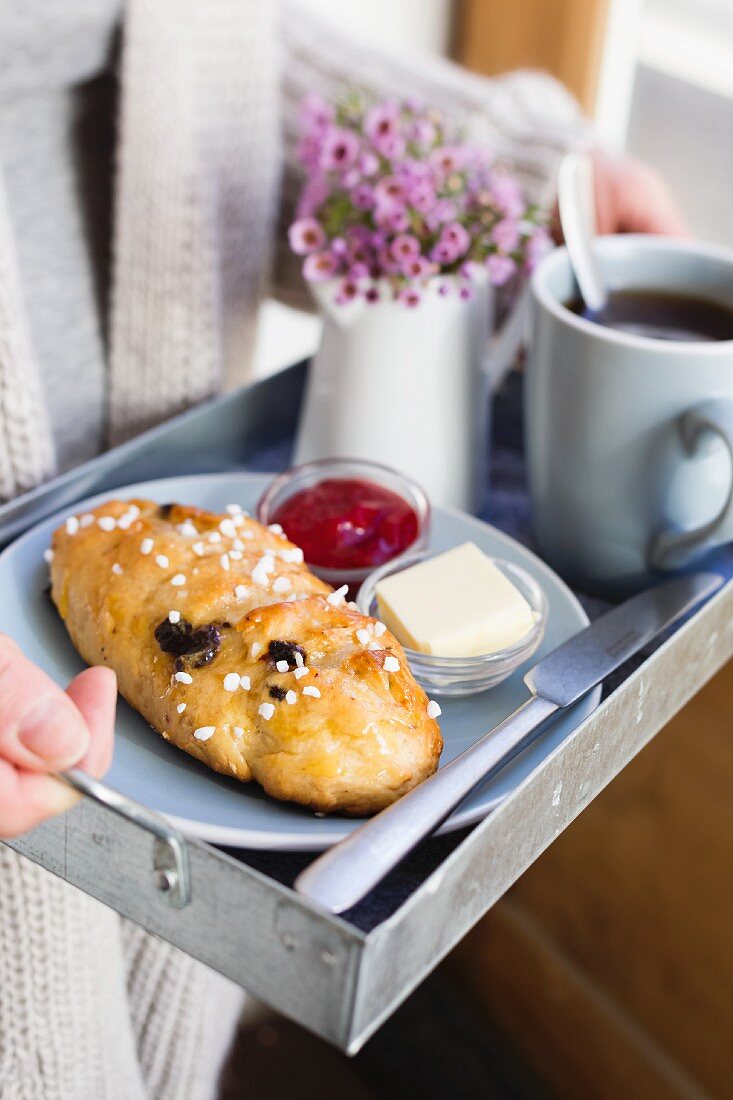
x=222, y=810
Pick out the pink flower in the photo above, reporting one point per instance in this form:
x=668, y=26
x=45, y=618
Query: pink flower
x=466, y=292
x=444, y=252
x=409, y=297
x=358, y=271
x=393, y=217
x=404, y=247
x=412, y=171
x=448, y=159
x=446, y=210
x=382, y=128
x=443, y=211
x=347, y=292
x=500, y=268
x=308, y=150
x=351, y=177
x=358, y=253
x=538, y=245
x=338, y=246
x=363, y=196
x=306, y=235
x=386, y=262
x=398, y=220
x=457, y=235
x=388, y=190
x=422, y=196
x=382, y=121
x=368, y=163
x=507, y=196
x=392, y=147
x=422, y=132
x=315, y=112
x=372, y=295
x=313, y=195
x=339, y=150
x=417, y=267
x=470, y=269
x=320, y=266
x=505, y=235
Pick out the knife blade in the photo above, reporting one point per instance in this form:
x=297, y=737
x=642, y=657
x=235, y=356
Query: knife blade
x=340, y=877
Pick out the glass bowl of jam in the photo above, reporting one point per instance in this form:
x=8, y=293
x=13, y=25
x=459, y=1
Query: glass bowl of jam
x=348, y=516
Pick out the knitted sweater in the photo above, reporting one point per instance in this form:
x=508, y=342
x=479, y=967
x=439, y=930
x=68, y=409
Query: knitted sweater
x=91, y=1007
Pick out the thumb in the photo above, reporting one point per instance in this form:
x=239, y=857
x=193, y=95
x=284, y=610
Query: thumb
x=40, y=727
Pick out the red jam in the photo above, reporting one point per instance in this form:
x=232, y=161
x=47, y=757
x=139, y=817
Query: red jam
x=345, y=523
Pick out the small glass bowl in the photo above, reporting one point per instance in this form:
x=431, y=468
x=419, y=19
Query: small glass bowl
x=464, y=675
x=310, y=473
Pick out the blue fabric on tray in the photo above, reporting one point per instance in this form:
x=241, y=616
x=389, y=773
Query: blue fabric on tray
x=507, y=507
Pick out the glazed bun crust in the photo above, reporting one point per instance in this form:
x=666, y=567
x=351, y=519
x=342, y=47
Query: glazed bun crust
x=209, y=620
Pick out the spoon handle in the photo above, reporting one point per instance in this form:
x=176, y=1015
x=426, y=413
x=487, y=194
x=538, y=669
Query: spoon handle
x=576, y=204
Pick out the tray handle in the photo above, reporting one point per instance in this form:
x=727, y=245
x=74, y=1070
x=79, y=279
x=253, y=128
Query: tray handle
x=170, y=851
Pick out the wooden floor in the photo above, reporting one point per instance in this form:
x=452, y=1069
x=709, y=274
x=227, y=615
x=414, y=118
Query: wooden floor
x=609, y=966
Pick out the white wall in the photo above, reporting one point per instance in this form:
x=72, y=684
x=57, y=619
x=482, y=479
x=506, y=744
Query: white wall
x=666, y=95
x=395, y=25
x=686, y=131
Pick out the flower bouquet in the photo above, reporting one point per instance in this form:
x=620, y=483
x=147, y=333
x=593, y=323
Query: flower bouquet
x=390, y=199
x=404, y=232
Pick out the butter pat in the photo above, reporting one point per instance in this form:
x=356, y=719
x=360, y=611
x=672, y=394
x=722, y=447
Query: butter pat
x=457, y=604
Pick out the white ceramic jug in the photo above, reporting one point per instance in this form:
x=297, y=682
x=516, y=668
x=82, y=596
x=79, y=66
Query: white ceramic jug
x=406, y=386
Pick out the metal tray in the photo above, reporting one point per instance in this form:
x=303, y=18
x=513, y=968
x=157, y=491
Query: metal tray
x=342, y=977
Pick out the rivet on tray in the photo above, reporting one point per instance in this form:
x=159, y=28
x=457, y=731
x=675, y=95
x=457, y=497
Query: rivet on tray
x=328, y=958
x=290, y=942
x=166, y=881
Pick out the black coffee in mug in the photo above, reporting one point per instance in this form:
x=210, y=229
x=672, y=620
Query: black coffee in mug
x=662, y=315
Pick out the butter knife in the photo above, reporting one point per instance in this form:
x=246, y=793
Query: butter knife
x=343, y=875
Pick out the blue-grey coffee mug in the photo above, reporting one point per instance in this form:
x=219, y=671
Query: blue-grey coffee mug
x=629, y=439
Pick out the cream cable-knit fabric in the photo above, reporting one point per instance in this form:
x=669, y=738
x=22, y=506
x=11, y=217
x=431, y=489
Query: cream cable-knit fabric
x=26, y=453
x=199, y=165
x=183, y=1016
x=94, y=1008
x=91, y=1007
x=65, y=1027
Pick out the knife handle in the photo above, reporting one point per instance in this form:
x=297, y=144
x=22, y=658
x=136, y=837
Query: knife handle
x=344, y=874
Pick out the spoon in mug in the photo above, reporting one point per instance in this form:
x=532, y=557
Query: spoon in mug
x=576, y=205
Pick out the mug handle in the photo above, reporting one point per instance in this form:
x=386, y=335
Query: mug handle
x=674, y=549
